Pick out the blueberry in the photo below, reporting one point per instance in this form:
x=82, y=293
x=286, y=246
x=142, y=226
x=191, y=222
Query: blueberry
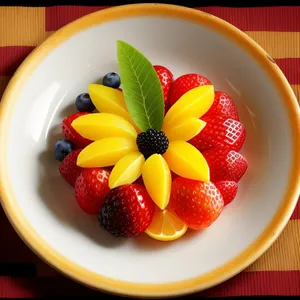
x=62, y=148
x=84, y=103
x=112, y=80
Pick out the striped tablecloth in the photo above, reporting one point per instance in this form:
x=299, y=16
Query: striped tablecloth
x=277, y=272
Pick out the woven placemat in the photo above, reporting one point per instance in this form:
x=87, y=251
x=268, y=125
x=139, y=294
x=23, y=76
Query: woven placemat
x=277, y=272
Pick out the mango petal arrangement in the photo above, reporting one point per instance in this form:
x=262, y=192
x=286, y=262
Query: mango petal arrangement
x=149, y=154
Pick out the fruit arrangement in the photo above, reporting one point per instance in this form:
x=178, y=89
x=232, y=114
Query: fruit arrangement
x=156, y=155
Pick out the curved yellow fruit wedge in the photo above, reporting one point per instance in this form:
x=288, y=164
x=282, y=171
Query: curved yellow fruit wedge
x=166, y=226
x=194, y=103
x=187, y=161
x=109, y=100
x=157, y=179
x=185, y=130
x=105, y=152
x=127, y=170
x=102, y=125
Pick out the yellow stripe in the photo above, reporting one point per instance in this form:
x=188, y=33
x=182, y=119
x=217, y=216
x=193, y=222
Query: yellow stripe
x=283, y=255
x=296, y=89
x=22, y=26
x=278, y=44
x=3, y=83
x=48, y=33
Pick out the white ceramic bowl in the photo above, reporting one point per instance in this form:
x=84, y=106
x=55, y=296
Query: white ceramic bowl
x=41, y=206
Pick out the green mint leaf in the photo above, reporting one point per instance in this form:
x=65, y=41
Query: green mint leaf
x=141, y=87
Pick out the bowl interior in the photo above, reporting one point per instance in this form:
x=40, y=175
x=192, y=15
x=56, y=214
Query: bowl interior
x=48, y=95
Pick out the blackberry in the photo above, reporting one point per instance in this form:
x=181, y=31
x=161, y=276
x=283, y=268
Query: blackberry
x=152, y=141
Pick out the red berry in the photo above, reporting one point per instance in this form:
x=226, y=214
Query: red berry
x=71, y=134
x=91, y=188
x=185, y=83
x=140, y=181
x=223, y=105
x=174, y=176
x=166, y=78
x=228, y=190
x=127, y=211
x=197, y=203
x=68, y=167
x=220, y=131
x=225, y=164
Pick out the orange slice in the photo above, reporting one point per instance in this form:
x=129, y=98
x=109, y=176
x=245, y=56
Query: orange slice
x=166, y=226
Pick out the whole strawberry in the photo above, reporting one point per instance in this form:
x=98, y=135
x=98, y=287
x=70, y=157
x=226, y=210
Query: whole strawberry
x=197, y=203
x=166, y=78
x=127, y=211
x=225, y=164
x=228, y=190
x=185, y=83
x=71, y=134
x=68, y=167
x=91, y=188
x=223, y=105
x=221, y=132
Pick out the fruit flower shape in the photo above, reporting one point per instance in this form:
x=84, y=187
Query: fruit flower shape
x=131, y=134
x=138, y=140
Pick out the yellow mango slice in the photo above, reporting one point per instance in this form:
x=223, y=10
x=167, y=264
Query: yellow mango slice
x=127, y=169
x=101, y=125
x=157, y=179
x=166, y=226
x=110, y=100
x=187, y=161
x=105, y=152
x=185, y=130
x=194, y=103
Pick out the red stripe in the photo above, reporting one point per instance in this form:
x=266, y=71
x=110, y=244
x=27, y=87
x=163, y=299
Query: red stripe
x=58, y=16
x=279, y=283
x=259, y=18
x=245, y=284
x=252, y=18
x=12, y=288
x=291, y=68
x=11, y=57
x=296, y=213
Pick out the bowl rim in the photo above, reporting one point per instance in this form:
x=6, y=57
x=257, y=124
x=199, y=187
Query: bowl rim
x=110, y=285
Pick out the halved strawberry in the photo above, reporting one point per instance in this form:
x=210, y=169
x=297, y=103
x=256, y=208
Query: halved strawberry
x=228, y=190
x=91, y=188
x=185, y=83
x=225, y=164
x=197, y=203
x=68, y=167
x=223, y=105
x=166, y=78
x=221, y=132
x=71, y=134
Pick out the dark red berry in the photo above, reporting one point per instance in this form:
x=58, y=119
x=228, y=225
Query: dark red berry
x=127, y=211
